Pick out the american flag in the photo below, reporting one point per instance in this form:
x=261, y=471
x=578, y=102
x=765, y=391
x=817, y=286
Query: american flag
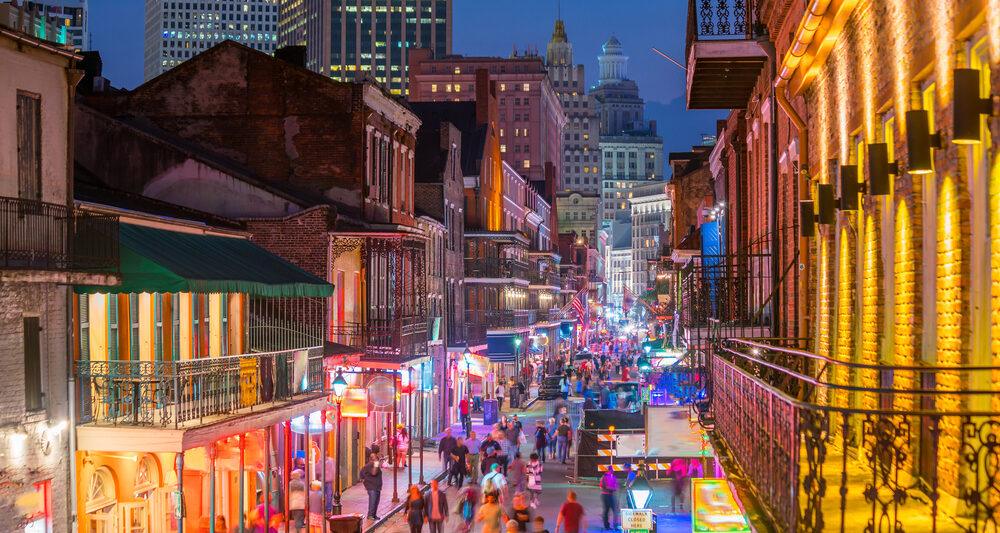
x=578, y=306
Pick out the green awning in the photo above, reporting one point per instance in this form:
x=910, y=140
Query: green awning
x=158, y=260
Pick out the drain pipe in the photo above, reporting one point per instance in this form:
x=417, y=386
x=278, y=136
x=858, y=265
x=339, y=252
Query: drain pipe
x=772, y=190
x=804, y=36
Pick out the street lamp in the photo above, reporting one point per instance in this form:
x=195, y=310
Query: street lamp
x=467, y=356
x=339, y=389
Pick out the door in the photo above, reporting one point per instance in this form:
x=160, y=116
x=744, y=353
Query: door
x=134, y=517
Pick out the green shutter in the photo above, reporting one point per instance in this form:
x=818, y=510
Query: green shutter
x=112, y=327
x=84, y=334
x=158, y=326
x=133, y=332
x=175, y=326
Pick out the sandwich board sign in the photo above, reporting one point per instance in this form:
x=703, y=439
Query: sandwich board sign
x=637, y=520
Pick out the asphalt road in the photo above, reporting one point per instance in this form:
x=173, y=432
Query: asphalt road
x=556, y=479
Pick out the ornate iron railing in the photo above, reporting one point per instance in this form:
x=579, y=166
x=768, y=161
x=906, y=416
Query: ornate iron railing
x=827, y=445
x=502, y=319
x=384, y=340
x=538, y=277
x=719, y=19
x=42, y=236
x=173, y=393
x=476, y=267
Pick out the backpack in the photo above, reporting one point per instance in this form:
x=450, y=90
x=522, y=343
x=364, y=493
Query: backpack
x=488, y=485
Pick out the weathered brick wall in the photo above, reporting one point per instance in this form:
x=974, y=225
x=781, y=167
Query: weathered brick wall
x=25, y=464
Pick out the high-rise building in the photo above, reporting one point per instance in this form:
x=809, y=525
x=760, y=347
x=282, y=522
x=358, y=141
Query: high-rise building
x=617, y=97
x=350, y=39
x=178, y=31
x=651, y=208
x=530, y=119
x=70, y=14
x=581, y=153
x=629, y=161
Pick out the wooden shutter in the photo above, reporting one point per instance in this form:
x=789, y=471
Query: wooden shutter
x=29, y=146
x=32, y=364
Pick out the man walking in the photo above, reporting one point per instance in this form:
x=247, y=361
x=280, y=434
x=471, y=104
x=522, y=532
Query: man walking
x=571, y=515
x=371, y=478
x=436, y=504
x=562, y=440
x=608, y=484
x=463, y=411
x=445, y=447
x=474, y=445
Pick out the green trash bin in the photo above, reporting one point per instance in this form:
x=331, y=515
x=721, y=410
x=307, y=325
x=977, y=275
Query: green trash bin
x=344, y=523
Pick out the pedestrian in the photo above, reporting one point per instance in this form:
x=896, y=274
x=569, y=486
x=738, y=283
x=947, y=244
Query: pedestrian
x=564, y=388
x=436, y=504
x=517, y=424
x=533, y=479
x=445, y=446
x=371, y=478
x=474, y=445
x=571, y=515
x=499, y=395
x=551, y=428
x=491, y=514
x=297, y=500
x=415, y=510
x=515, y=473
x=316, y=507
x=325, y=470
x=541, y=439
x=539, y=525
x=494, y=483
x=513, y=435
x=468, y=499
x=562, y=439
x=678, y=470
x=521, y=512
x=402, y=446
x=608, y=485
x=463, y=411
x=460, y=463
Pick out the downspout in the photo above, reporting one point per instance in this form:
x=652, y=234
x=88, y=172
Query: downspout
x=772, y=192
x=73, y=77
x=804, y=35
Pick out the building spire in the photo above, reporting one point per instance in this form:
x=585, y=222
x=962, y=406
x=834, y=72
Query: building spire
x=559, y=33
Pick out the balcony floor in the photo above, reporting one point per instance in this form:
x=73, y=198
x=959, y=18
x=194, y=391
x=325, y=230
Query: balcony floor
x=722, y=74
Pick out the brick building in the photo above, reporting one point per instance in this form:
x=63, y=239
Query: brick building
x=530, y=117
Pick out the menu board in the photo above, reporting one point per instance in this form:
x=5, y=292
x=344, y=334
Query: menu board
x=714, y=508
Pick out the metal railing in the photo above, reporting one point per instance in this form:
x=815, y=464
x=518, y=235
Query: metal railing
x=730, y=293
x=537, y=277
x=42, y=236
x=828, y=445
x=503, y=319
x=172, y=393
x=396, y=340
x=489, y=267
x=718, y=20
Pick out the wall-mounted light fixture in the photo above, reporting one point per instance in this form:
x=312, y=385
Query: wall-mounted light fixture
x=879, y=169
x=807, y=219
x=919, y=141
x=848, y=187
x=825, y=203
x=968, y=105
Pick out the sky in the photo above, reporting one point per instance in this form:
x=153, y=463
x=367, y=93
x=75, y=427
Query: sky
x=493, y=28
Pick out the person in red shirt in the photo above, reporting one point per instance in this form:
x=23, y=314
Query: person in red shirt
x=463, y=411
x=571, y=515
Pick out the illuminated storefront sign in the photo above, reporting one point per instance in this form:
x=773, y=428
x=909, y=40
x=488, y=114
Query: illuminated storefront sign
x=713, y=508
x=355, y=403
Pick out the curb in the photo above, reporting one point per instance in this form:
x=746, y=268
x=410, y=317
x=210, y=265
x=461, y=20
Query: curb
x=399, y=507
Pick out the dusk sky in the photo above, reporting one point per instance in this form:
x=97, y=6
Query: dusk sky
x=117, y=28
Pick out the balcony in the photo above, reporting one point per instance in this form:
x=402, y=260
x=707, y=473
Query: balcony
x=504, y=319
x=384, y=341
x=543, y=278
x=723, y=58
x=38, y=236
x=495, y=268
x=183, y=394
x=466, y=334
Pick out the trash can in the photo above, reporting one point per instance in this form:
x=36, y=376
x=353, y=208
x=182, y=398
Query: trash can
x=515, y=401
x=344, y=523
x=490, y=412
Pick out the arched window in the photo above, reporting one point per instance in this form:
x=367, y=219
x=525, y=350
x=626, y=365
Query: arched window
x=101, y=501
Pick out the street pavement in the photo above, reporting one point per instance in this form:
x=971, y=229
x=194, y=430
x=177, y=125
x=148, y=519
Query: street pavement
x=556, y=482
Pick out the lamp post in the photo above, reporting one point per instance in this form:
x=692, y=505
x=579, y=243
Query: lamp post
x=517, y=359
x=639, y=491
x=467, y=356
x=339, y=389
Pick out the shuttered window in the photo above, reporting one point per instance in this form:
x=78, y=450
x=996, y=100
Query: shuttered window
x=29, y=146
x=84, y=305
x=224, y=303
x=32, y=364
x=133, y=333
x=157, y=326
x=112, y=327
x=175, y=327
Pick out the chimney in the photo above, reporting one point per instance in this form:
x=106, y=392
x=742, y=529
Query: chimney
x=92, y=67
x=295, y=55
x=550, y=197
x=486, y=97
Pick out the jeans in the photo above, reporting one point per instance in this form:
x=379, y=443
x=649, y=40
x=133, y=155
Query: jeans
x=552, y=447
x=562, y=448
x=437, y=526
x=446, y=465
x=541, y=453
x=474, y=467
x=608, y=499
x=373, y=497
x=466, y=424
x=328, y=490
x=298, y=519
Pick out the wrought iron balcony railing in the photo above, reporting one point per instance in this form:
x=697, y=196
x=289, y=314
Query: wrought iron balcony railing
x=396, y=340
x=180, y=393
x=466, y=334
x=503, y=319
x=537, y=277
x=476, y=267
x=829, y=445
x=718, y=20
x=42, y=236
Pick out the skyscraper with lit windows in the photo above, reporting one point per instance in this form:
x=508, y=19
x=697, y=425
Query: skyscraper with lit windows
x=177, y=31
x=350, y=39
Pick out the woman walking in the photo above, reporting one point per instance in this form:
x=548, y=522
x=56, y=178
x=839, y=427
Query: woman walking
x=541, y=440
x=402, y=445
x=467, y=506
x=492, y=515
x=551, y=428
x=533, y=472
x=415, y=510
